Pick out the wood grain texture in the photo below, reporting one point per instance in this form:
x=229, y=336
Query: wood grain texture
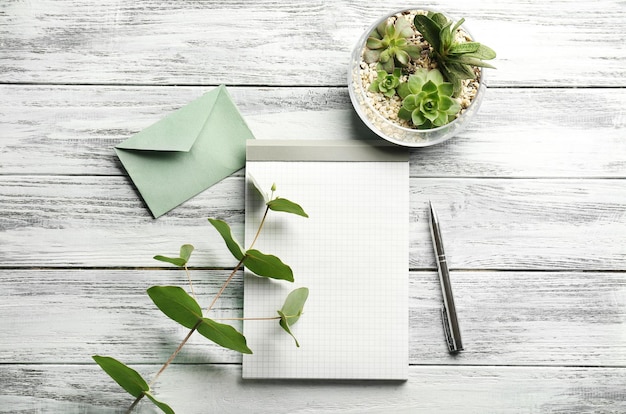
x=194, y=389
x=507, y=318
x=518, y=132
x=507, y=224
x=564, y=43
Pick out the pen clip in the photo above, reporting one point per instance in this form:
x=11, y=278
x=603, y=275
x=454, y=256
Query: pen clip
x=446, y=329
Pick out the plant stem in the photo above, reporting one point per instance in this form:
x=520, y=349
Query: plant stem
x=230, y=277
x=184, y=341
x=134, y=404
x=190, y=283
x=171, y=358
x=270, y=318
x=258, y=232
x=165, y=365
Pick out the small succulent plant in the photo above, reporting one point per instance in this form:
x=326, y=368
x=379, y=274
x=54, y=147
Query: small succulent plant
x=454, y=59
x=427, y=99
x=386, y=83
x=388, y=45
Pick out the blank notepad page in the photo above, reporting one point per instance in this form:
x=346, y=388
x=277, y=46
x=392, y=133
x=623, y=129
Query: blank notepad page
x=352, y=254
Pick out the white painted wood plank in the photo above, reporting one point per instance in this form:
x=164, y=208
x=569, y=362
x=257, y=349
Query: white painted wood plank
x=265, y=42
x=518, y=132
x=507, y=318
x=487, y=224
x=219, y=389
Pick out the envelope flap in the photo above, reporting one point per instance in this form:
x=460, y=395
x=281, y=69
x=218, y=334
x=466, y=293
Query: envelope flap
x=179, y=130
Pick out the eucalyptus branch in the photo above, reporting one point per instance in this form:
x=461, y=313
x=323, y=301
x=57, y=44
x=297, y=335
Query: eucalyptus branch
x=183, y=308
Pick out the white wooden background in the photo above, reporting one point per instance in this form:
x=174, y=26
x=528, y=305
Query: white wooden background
x=532, y=198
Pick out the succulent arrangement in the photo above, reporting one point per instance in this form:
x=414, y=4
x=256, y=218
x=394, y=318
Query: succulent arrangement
x=425, y=68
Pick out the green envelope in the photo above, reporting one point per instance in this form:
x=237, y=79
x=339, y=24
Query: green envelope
x=187, y=152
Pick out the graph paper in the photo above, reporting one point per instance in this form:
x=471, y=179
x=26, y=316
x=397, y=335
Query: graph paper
x=351, y=253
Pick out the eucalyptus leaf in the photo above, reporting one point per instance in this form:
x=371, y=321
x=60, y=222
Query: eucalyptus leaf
x=181, y=261
x=185, y=251
x=176, y=261
x=176, y=304
x=292, y=309
x=285, y=325
x=224, y=335
x=224, y=229
x=126, y=377
x=267, y=265
x=164, y=407
x=294, y=303
x=282, y=204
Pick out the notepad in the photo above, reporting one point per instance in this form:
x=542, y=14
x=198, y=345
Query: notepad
x=351, y=253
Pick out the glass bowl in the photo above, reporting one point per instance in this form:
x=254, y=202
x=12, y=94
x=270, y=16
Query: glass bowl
x=389, y=130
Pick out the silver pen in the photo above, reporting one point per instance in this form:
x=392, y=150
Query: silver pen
x=448, y=312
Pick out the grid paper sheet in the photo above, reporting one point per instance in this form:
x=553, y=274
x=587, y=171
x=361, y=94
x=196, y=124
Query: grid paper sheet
x=352, y=254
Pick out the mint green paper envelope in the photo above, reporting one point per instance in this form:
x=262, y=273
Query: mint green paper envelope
x=187, y=152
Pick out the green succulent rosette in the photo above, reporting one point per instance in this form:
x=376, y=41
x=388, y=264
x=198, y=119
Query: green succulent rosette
x=427, y=100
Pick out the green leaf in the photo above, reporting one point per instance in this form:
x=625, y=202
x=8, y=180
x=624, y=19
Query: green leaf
x=484, y=52
x=224, y=229
x=176, y=261
x=445, y=89
x=129, y=379
x=403, y=27
x=403, y=113
x=380, y=30
x=446, y=37
x=185, y=251
x=403, y=90
x=374, y=43
x=181, y=261
x=294, y=303
x=267, y=265
x=472, y=61
x=457, y=25
x=292, y=309
x=429, y=29
x=371, y=56
x=176, y=304
x=285, y=325
x=429, y=87
x=126, y=377
x=439, y=18
x=223, y=335
x=414, y=51
x=462, y=48
x=402, y=57
x=282, y=204
x=164, y=407
x=460, y=70
x=388, y=65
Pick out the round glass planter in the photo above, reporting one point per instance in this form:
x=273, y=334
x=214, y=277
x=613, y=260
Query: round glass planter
x=389, y=130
